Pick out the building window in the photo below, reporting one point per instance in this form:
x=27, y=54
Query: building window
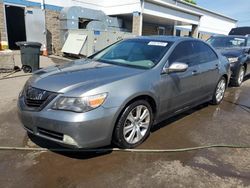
x=161, y=30
x=178, y=32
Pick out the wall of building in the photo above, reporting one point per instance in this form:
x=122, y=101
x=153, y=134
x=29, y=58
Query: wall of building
x=204, y=36
x=53, y=31
x=149, y=29
x=115, y=7
x=184, y=33
x=93, y=4
x=152, y=29
x=214, y=25
x=51, y=18
x=53, y=8
x=211, y=22
x=3, y=35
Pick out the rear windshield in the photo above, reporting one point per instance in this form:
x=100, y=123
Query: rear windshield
x=134, y=53
x=227, y=42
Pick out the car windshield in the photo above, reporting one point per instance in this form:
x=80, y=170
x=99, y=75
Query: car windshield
x=134, y=52
x=227, y=42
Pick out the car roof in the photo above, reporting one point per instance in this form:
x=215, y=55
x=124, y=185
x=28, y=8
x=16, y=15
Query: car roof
x=230, y=36
x=165, y=38
x=240, y=31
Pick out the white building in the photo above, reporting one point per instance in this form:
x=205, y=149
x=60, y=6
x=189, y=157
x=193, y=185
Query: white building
x=142, y=17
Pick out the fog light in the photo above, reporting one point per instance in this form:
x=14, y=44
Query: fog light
x=68, y=140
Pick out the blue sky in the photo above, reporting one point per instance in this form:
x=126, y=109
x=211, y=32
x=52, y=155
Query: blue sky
x=238, y=9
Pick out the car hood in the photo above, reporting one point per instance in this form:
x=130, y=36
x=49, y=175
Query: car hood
x=87, y=74
x=231, y=52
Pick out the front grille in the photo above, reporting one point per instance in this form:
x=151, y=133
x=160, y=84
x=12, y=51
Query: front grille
x=37, y=99
x=34, y=103
x=50, y=134
x=28, y=128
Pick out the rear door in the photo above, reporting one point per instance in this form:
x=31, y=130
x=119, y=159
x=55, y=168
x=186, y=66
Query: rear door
x=248, y=58
x=209, y=67
x=179, y=90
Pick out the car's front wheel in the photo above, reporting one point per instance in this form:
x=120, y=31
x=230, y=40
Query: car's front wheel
x=134, y=124
x=219, y=91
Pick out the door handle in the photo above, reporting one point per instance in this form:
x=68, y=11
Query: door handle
x=195, y=72
x=214, y=68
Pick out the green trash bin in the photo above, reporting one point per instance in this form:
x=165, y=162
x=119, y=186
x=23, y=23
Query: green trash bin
x=30, y=55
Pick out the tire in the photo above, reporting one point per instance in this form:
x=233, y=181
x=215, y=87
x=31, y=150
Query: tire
x=219, y=91
x=27, y=69
x=239, y=77
x=130, y=130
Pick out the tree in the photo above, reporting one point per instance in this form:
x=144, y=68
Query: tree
x=191, y=1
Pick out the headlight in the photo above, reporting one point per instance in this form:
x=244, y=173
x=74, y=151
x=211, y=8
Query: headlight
x=233, y=59
x=79, y=104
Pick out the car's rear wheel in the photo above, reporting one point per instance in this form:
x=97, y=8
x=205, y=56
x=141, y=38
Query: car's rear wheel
x=27, y=69
x=134, y=124
x=219, y=91
x=239, y=77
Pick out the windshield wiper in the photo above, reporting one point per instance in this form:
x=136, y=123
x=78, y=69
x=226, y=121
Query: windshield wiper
x=122, y=64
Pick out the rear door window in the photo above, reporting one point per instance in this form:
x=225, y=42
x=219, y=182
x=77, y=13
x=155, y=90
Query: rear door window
x=248, y=42
x=204, y=53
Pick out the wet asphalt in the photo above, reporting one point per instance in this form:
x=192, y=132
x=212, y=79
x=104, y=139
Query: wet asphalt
x=228, y=123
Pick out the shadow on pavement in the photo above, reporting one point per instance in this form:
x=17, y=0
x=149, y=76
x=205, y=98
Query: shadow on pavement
x=43, y=143
x=170, y=120
x=247, y=77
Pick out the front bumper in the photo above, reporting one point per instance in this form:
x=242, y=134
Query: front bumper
x=235, y=67
x=76, y=130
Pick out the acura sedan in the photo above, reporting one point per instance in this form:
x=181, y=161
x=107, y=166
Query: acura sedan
x=118, y=94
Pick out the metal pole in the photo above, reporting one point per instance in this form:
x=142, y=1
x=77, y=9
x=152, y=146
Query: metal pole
x=42, y=4
x=44, y=46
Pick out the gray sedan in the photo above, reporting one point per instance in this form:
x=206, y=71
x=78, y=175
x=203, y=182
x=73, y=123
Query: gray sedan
x=119, y=93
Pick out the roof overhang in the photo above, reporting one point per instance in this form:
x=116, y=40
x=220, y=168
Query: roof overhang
x=206, y=10
x=175, y=7
x=167, y=11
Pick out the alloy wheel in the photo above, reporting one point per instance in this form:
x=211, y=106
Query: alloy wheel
x=136, y=124
x=241, y=75
x=221, y=88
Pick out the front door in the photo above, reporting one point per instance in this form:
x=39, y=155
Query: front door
x=179, y=90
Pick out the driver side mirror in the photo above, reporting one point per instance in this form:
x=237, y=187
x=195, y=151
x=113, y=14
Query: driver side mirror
x=175, y=67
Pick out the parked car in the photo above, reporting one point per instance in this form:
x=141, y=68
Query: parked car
x=237, y=50
x=119, y=93
x=240, y=31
